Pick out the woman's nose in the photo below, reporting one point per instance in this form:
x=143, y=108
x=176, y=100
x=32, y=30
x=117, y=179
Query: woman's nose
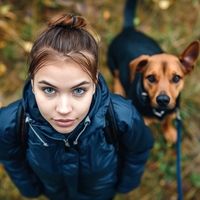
x=64, y=105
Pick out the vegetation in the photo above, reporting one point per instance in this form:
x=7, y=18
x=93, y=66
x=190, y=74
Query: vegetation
x=173, y=23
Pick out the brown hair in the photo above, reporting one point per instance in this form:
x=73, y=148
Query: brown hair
x=68, y=38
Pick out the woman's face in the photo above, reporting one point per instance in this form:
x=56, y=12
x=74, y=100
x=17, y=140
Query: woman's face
x=63, y=94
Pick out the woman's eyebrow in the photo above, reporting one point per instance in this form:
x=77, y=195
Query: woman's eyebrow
x=46, y=83
x=82, y=83
x=78, y=85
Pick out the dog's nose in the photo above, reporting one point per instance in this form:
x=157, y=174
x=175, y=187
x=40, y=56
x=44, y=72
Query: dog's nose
x=163, y=100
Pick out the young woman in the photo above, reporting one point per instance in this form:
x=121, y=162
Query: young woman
x=65, y=99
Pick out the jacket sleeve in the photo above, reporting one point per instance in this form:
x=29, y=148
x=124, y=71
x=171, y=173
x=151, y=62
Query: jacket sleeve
x=137, y=141
x=13, y=158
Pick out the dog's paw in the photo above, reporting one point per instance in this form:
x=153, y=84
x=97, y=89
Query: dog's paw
x=170, y=134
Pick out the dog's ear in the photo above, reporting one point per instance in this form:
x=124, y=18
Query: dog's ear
x=138, y=64
x=189, y=57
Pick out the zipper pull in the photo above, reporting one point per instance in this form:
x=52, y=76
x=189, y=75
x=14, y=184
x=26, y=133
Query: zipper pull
x=67, y=145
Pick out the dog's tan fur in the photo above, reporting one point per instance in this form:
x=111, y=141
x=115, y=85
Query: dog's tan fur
x=166, y=70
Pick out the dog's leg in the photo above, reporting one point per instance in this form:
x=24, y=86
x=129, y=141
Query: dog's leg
x=169, y=132
x=118, y=88
x=148, y=121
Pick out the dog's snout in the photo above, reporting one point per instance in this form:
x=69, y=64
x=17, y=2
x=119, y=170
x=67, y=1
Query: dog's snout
x=163, y=100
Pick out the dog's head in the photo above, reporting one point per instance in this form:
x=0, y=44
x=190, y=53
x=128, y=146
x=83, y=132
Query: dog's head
x=163, y=74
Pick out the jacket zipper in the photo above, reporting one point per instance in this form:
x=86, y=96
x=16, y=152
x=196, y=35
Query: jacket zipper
x=86, y=123
x=44, y=143
x=66, y=141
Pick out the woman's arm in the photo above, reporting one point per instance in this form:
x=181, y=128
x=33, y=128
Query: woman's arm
x=137, y=141
x=12, y=155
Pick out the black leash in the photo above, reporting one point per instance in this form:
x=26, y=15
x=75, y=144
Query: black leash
x=178, y=152
x=178, y=156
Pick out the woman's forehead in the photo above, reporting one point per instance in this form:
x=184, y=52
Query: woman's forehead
x=62, y=75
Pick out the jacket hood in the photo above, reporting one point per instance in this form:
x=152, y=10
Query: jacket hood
x=96, y=114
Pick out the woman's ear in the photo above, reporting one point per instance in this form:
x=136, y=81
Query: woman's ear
x=96, y=82
x=32, y=85
x=94, y=89
x=97, y=75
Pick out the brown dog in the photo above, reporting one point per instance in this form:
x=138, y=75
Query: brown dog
x=162, y=79
x=145, y=74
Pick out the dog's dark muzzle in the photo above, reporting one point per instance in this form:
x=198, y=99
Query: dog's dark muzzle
x=162, y=100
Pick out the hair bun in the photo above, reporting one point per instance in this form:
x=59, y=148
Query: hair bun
x=67, y=21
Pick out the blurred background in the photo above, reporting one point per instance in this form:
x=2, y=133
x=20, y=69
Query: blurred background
x=174, y=24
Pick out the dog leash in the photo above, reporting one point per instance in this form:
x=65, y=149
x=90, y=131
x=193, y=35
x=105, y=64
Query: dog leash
x=178, y=155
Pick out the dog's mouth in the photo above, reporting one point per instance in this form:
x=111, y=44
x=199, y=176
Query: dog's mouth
x=160, y=107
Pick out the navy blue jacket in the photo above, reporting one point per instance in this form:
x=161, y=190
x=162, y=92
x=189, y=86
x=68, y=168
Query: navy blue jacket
x=88, y=169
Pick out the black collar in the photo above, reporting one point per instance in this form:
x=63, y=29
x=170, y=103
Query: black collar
x=141, y=94
x=143, y=100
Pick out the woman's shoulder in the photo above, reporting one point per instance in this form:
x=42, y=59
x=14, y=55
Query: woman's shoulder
x=8, y=115
x=124, y=106
x=126, y=114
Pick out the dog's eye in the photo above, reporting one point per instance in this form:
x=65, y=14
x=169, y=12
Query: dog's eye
x=176, y=79
x=151, y=78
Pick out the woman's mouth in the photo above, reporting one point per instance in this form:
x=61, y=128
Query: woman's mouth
x=64, y=122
